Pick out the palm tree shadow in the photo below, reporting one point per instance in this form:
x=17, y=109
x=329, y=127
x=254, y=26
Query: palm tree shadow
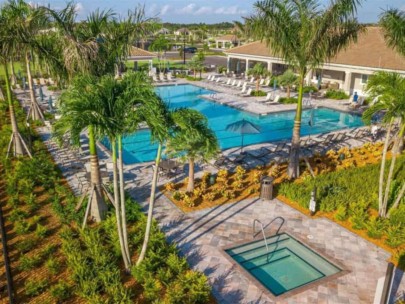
x=206, y=219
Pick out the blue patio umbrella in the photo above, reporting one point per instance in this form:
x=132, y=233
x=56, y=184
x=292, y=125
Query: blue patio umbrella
x=243, y=127
x=275, y=85
x=168, y=65
x=41, y=93
x=238, y=67
x=50, y=102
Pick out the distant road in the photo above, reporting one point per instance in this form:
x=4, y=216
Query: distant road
x=209, y=60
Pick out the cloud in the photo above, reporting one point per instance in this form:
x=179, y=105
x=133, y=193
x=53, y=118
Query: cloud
x=188, y=9
x=79, y=7
x=193, y=9
x=165, y=9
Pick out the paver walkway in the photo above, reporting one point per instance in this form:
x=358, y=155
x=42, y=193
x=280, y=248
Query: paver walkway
x=202, y=235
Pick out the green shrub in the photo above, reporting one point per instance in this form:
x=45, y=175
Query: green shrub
x=34, y=287
x=17, y=215
x=189, y=287
x=61, y=291
x=191, y=78
x=28, y=263
x=22, y=227
x=308, y=89
x=26, y=244
x=31, y=202
x=285, y=100
x=41, y=231
x=336, y=94
x=53, y=88
x=376, y=228
x=259, y=93
x=395, y=236
x=341, y=213
x=48, y=250
x=53, y=265
x=397, y=216
x=151, y=288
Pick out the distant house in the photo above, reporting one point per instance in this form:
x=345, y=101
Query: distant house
x=183, y=31
x=227, y=40
x=163, y=31
x=348, y=71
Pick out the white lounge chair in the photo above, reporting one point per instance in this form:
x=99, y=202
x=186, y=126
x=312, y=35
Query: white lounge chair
x=239, y=84
x=162, y=77
x=218, y=80
x=261, y=81
x=228, y=82
x=247, y=94
x=244, y=89
x=358, y=104
x=155, y=79
x=233, y=83
x=169, y=77
x=252, y=79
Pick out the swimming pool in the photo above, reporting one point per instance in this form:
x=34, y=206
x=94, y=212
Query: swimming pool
x=287, y=265
x=274, y=127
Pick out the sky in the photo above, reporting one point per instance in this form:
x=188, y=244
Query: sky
x=207, y=11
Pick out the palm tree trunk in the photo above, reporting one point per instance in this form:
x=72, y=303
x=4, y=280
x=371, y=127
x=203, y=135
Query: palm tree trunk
x=288, y=91
x=381, y=212
x=293, y=166
x=118, y=204
x=13, y=77
x=190, y=186
x=391, y=172
x=98, y=205
x=35, y=110
x=18, y=145
x=257, y=84
x=122, y=195
x=150, y=210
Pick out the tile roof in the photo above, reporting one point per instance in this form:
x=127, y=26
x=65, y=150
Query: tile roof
x=369, y=51
x=229, y=37
x=137, y=52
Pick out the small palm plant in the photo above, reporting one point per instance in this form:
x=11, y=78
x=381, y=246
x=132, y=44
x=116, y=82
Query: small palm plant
x=192, y=139
x=257, y=72
x=288, y=79
x=387, y=89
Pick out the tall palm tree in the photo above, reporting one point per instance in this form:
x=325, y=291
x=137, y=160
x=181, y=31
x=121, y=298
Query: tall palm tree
x=305, y=35
x=78, y=104
x=393, y=24
x=157, y=115
x=6, y=48
x=388, y=91
x=27, y=22
x=192, y=139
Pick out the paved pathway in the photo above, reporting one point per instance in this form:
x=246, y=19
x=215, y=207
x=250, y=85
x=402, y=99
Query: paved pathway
x=202, y=235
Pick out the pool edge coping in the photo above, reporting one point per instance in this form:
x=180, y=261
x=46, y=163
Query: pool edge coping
x=343, y=269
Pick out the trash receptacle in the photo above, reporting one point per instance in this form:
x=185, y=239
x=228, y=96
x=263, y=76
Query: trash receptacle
x=266, y=188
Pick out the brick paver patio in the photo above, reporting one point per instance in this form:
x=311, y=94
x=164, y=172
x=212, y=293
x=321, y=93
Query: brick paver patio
x=202, y=235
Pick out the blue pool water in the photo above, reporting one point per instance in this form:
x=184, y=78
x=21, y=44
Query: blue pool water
x=277, y=126
x=287, y=265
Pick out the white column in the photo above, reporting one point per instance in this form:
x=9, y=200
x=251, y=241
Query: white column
x=228, y=63
x=247, y=67
x=270, y=66
x=308, y=78
x=348, y=82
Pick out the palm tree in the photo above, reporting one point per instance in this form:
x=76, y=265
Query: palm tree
x=6, y=48
x=305, y=35
x=157, y=115
x=288, y=79
x=27, y=22
x=77, y=108
x=388, y=91
x=393, y=24
x=192, y=139
x=257, y=71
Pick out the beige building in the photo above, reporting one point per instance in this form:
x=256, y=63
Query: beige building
x=348, y=71
x=227, y=40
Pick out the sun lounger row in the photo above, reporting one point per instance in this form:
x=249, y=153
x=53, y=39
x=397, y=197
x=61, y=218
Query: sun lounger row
x=162, y=77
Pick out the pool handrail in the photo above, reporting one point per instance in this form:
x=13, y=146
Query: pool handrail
x=264, y=236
